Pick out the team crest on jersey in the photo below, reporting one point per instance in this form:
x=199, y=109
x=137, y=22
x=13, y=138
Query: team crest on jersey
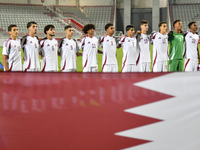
x=55, y=44
x=31, y=42
x=107, y=40
x=159, y=38
x=89, y=42
x=14, y=45
x=48, y=45
x=128, y=40
x=190, y=36
x=66, y=44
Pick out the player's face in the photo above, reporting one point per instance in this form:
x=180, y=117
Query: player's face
x=33, y=28
x=178, y=25
x=51, y=32
x=90, y=31
x=14, y=32
x=194, y=27
x=163, y=28
x=145, y=27
x=131, y=32
x=111, y=30
x=69, y=31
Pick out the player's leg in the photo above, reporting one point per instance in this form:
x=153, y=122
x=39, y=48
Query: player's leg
x=180, y=65
x=164, y=66
x=188, y=65
x=174, y=65
x=134, y=68
x=196, y=65
x=126, y=68
x=156, y=67
x=141, y=67
x=148, y=67
x=86, y=69
x=115, y=68
x=106, y=68
x=94, y=69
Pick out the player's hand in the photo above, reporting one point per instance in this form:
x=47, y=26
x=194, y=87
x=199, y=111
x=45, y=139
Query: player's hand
x=170, y=32
x=138, y=32
x=82, y=36
x=23, y=58
x=123, y=35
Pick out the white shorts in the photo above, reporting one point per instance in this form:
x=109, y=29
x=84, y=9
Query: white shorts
x=144, y=67
x=160, y=66
x=110, y=68
x=69, y=70
x=90, y=69
x=191, y=65
x=129, y=68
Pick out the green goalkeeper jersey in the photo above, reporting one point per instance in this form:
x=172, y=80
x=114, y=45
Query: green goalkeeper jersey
x=176, y=41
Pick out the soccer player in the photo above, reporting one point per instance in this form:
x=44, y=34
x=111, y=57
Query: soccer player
x=176, y=40
x=12, y=51
x=89, y=45
x=160, y=48
x=130, y=50
x=30, y=45
x=49, y=50
x=144, y=64
x=108, y=44
x=191, y=48
x=68, y=51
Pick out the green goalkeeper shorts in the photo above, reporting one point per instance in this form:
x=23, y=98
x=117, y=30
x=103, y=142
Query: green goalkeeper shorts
x=176, y=65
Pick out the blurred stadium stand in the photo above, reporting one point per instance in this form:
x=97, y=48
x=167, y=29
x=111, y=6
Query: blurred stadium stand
x=186, y=13
x=58, y=15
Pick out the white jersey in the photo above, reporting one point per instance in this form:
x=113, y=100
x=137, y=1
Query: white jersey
x=89, y=51
x=12, y=49
x=130, y=50
x=49, y=49
x=144, y=48
x=108, y=45
x=68, y=50
x=30, y=47
x=191, y=46
x=160, y=47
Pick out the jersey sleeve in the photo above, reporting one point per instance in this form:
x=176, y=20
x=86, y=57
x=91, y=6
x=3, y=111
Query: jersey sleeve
x=41, y=47
x=6, y=48
x=117, y=41
x=101, y=40
x=77, y=47
x=152, y=39
x=82, y=43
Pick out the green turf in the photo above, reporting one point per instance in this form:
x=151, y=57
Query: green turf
x=79, y=59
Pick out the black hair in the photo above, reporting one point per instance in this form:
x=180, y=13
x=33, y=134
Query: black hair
x=88, y=27
x=108, y=25
x=160, y=24
x=176, y=22
x=11, y=26
x=192, y=22
x=144, y=22
x=128, y=27
x=67, y=27
x=46, y=28
x=30, y=23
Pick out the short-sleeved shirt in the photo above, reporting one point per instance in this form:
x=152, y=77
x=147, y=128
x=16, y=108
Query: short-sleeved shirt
x=12, y=49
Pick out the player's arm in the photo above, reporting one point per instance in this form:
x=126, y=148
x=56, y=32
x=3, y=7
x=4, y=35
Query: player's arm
x=41, y=49
x=23, y=42
x=5, y=57
x=5, y=53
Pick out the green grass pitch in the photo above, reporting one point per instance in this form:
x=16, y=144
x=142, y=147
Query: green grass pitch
x=99, y=57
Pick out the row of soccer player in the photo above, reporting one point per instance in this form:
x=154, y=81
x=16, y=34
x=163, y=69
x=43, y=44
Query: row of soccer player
x=136, y=49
